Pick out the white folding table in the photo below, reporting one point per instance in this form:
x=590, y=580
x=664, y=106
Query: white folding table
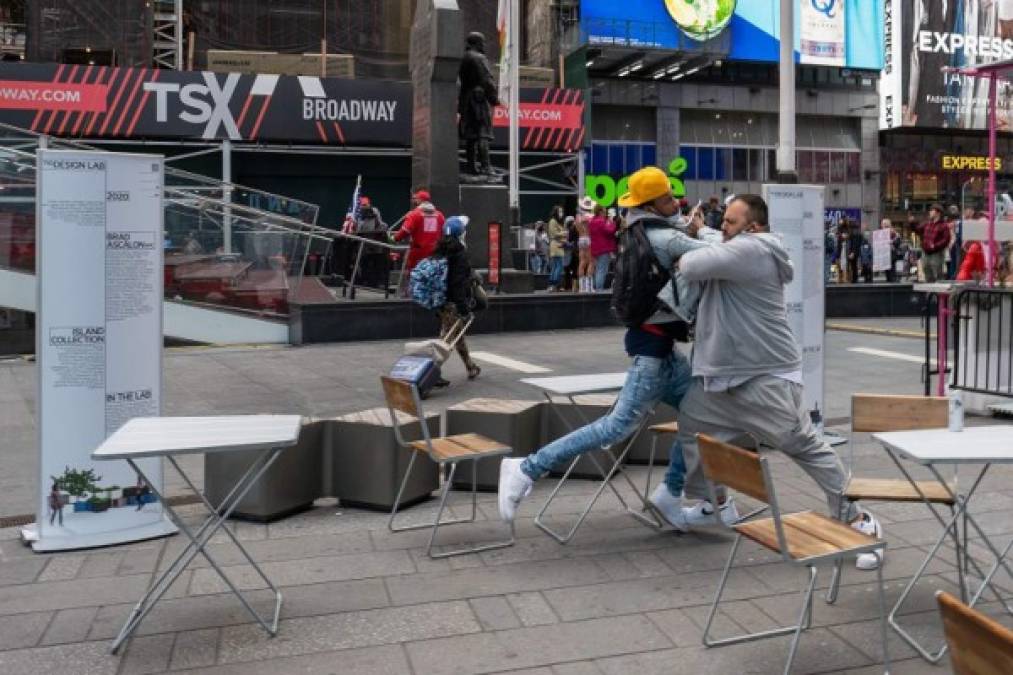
x=986, y=445
x=569, y=387
x=168, y=437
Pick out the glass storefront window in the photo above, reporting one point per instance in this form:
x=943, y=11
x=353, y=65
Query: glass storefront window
x=599, y=158
x=650, y=155
x=722, y=163
x=705, y=163
x=838, y=167
x=805, y=166
x=689, y=154
x=756, y=165
x=821, y=167
x=854, y=167
x=740, y=164
x=615, y=165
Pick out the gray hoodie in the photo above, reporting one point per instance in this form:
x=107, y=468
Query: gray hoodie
x=742, y=329
x=669, y=245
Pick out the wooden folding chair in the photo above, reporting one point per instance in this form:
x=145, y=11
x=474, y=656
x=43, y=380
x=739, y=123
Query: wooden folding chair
x=445, y=450
x=876, y=413
x=978, y=644
x=802, y=539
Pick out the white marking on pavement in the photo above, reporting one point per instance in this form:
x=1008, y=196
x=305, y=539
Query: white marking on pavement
x=886, y=354
x=512, y=364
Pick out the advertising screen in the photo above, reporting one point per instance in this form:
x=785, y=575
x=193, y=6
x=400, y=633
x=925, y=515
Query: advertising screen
x=844, y=33
x=921, y=40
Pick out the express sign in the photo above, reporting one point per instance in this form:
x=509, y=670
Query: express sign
x=969, y=163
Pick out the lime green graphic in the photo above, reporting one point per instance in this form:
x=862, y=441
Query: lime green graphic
x=701, y=19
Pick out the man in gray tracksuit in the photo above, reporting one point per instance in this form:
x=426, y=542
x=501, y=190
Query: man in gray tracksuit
x=747, y=366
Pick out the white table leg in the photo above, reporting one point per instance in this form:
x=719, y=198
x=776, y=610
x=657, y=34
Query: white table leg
x=198, y=543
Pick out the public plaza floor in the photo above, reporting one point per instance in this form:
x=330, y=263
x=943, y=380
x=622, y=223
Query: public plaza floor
x=619, y=599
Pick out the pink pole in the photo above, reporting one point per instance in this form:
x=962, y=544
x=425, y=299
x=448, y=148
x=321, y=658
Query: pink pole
x=990, y=251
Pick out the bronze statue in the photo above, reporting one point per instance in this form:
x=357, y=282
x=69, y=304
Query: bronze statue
x=474, y=104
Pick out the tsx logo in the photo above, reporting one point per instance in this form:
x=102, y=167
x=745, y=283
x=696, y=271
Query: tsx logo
x=202, y=103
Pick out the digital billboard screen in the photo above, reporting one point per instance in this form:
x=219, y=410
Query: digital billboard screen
x=925, y=39
x=844, y=33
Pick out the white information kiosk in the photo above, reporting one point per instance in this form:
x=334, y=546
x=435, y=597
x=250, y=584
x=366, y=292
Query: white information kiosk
x=98, y=343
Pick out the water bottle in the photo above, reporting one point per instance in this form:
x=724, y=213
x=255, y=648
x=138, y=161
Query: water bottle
x=956, y=411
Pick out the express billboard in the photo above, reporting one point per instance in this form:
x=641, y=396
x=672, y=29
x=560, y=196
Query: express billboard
x=845, y=33
x=922, y=40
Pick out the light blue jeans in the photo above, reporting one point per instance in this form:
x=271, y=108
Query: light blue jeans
x=648, y=381
x=601, y=270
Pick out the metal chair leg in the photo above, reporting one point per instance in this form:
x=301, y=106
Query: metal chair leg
x=835, y=582
x=419, y=526
x=882, y=612
x=804, y=619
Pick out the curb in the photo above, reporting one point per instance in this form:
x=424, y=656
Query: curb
x=868, y=330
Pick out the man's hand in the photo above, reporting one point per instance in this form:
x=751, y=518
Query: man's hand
x=695, y=223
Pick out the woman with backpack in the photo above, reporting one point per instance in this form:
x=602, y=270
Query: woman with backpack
x=460, y=292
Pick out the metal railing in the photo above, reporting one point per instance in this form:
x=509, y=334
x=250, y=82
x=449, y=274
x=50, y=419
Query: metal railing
x=983, y=341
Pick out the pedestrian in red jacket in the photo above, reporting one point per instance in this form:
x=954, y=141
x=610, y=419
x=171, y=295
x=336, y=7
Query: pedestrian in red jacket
x=424, y=225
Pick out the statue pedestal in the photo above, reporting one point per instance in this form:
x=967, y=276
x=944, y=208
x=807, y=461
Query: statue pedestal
x=484, y=203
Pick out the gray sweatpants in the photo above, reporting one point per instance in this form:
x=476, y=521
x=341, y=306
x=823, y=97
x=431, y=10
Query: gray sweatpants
x=769, y=409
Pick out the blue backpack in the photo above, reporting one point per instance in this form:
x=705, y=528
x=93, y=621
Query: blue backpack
x=428, y=283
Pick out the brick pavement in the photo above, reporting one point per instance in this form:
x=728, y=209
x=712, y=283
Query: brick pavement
x=619, y=599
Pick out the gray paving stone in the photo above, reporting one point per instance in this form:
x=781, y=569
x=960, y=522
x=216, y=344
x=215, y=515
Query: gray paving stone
x=626, y=597
x=819, y=652
x=70, y=625
x=352, y=629
x=62, y=566
x=68, y=594
x=532, y=609
x=580, y=668
x=494, y=613
x=531, y=647
x=82, y=658
x=382, y=660
x=20, y=571
x=194, y=649
x=211, y=611
x=23, y=630
x=100, y=565
x=147, y=654
x=305, y=571
x=505, y=579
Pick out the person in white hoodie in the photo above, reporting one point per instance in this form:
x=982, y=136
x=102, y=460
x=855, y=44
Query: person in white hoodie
x=747, y=367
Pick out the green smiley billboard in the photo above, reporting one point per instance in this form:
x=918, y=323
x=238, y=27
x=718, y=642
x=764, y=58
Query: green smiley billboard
x=605, y=190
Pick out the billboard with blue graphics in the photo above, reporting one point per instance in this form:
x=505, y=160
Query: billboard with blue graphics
x=843, y=33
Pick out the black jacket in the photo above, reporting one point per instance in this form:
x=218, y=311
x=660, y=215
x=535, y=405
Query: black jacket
x=458, y=277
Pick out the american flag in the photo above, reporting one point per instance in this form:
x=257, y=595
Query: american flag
x=354, y=209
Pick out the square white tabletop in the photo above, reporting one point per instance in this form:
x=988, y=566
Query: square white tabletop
x=991, y=444
x=160, y=436
x=571, y=385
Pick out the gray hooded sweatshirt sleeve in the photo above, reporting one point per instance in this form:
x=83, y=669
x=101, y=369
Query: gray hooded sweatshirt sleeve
x=742, y=329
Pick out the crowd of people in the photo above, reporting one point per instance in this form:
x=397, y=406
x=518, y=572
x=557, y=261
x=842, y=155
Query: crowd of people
x=928, y=250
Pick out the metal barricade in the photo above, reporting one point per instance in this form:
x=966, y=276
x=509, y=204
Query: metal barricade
x=983, y=341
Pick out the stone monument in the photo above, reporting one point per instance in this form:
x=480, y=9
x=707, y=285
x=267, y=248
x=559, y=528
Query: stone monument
x=475, y=102
x=435, y=56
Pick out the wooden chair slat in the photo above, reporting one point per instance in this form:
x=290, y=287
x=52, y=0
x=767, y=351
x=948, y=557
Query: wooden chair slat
x=399, y=396
x=888, y=412
x=443, y=449
x=800, y=544
x=732, y=466
x=834, y=532
x=478, y=443
x=978, y=645
x=664, y=428
x=891, y=490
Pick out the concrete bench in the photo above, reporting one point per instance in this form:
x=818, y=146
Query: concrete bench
x=592, y=407
x=289, y=485
x=514, y=423
x=365, y=464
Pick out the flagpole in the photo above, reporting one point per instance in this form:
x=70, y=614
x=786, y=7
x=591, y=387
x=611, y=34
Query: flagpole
x=514, y=110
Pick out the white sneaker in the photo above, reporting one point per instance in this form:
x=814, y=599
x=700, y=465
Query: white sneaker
x=669, y=507
x=703, y=513
x=867, y=524
x=514, y=485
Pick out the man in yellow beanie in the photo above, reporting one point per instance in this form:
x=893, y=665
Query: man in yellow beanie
x=659, y=372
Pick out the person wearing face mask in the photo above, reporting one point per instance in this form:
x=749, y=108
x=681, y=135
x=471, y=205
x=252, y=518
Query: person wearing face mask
x=747, y=368
x=459, y=285
x=658, y=371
